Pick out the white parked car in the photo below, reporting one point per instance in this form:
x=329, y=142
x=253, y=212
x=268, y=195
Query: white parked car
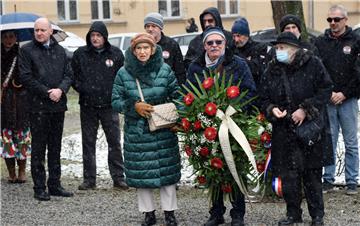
x=72, y=43
x=121, y=40
x=184, y=40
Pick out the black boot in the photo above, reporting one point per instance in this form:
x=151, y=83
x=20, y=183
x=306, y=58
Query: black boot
x=170, y=219
x=317, y=221
x=150, y=219
x=290, y=220
x=215, y=220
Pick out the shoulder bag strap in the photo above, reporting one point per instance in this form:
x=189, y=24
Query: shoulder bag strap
x=140, y=91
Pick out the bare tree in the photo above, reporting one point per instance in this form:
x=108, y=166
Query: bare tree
x=295, y=7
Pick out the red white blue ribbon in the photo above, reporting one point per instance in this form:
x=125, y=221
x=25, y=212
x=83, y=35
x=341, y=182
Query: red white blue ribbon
x=277, y=186
x=267, y=164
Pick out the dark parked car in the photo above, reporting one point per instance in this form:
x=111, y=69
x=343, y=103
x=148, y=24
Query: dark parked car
x=269, y=35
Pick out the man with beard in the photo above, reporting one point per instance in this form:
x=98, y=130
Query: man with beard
x=255, y=53
x=210, y=17
x=171, y=52
x=339, y=50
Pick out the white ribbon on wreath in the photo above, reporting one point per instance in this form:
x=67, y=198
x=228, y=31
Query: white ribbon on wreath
x=227, y=125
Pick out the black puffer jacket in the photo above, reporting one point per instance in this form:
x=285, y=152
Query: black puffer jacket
x=196, y=46
x=311, y=89
x=255, y=54
x=42, y=69
x=14, y=103
x=172, y=55
x=341, y=57
x=95, y=71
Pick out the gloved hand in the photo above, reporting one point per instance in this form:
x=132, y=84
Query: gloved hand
x=144, y=109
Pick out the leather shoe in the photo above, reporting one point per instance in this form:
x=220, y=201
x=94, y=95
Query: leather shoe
x=86, y=186
x=215, y=220
x=121, y=185
x=317, y=221
x=42, y=196
x=60, y=191
x=290, y=220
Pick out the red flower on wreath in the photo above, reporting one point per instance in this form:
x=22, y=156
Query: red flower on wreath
x=188, y=99
x=232, y=92
x=260, y=166
x=253, y=144
x=197, y=125
x=216, y=163
x=201, y=179
x=204, y=151
x=208, y=83
x=265, y=137
x=210, y=133
x=185, y=124
x=188, y=151
x=210, y=109
x=260, y=117
x=226, y=188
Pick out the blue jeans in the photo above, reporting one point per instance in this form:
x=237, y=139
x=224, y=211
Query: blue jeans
x=345, y=116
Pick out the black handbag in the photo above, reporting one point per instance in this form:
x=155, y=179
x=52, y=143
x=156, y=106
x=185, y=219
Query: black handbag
x=309, y=132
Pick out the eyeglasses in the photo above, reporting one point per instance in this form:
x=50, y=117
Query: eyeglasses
x=335, y=19
x=210, y=21
x=217, y=42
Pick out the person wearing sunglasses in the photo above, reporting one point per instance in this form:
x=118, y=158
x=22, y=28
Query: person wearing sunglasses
x=217, y=58
x=210, y=17
x=339, y=50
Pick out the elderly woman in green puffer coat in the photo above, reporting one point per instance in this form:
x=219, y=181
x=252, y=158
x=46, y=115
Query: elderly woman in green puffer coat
x=152, y=159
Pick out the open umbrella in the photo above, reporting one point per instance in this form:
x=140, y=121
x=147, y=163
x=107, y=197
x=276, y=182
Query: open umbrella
x=23, y=24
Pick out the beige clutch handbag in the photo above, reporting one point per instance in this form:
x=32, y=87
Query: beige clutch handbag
x=163, y=116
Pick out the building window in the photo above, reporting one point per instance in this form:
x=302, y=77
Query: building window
x=100, y=9
x=67, y=10
x=169, y=8
x=1, y=7
x=228, y=7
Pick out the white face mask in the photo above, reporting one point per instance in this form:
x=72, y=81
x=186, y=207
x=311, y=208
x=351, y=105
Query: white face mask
x=283, y=56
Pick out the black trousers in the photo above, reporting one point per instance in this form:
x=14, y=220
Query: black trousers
x=238, y=210
x=46, y=131
x=90, y=118
x=292, y=182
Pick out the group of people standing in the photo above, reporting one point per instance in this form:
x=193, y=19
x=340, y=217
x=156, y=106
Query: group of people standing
x=294, y=80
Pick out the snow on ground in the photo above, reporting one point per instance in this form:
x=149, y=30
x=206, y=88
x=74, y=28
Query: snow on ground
x=71, y=156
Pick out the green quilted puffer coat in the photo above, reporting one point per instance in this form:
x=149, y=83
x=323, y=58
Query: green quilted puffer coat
x=152, y=159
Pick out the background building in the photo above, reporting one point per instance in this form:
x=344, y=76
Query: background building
x=127, y=15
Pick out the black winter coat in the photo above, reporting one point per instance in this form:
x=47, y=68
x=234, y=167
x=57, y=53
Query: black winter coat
x=341, y=57
x=14, y=103
x=95, y=71
x=42, y=69
x=255, y=54
x=311, y=89
x=196, y=46
x=172, y=55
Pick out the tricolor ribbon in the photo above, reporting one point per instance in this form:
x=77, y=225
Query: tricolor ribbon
x=267, y=164
x=227, y=125
x=277, y=186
